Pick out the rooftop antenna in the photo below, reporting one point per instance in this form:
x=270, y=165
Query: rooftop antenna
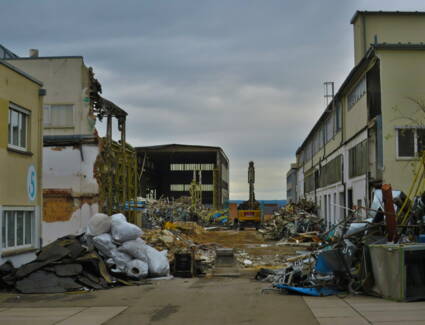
x=329, y=92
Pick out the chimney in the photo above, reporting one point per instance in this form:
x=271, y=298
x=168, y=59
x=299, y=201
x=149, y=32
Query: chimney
x=33, y=53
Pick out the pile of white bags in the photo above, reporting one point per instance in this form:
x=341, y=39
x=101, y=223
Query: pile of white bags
x=125, y=252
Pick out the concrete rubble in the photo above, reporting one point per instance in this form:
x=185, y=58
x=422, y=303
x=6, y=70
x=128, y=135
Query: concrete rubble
x=295, y=223
x=178, y=238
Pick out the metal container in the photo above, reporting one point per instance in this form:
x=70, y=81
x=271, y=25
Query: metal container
x=399, y=271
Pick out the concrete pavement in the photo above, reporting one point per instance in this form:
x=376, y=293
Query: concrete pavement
x=202, y=301
x=177, y=301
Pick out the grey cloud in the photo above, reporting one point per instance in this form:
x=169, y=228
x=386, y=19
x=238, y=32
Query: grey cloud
x=245, y=75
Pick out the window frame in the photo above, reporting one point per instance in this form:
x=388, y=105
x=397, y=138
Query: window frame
x=358, y=160
x=32, y=244
x=27, y=114
x=415, y=141
x=47, y=121
x=356, y=93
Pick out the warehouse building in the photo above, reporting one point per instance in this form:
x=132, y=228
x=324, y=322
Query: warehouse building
x=372, y=129
x=168, y=170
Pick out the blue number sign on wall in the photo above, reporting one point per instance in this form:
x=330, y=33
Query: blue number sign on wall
x=31, y=183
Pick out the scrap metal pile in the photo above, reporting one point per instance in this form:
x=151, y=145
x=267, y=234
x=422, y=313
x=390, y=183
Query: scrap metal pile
x=339, y=264
x=294, y=222
x=343, y=261
x=110, y=253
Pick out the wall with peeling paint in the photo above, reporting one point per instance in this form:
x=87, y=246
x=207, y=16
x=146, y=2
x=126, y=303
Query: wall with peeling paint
x=70, y=190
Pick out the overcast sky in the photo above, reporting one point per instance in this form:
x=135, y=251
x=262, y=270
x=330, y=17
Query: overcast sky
x=244, y=75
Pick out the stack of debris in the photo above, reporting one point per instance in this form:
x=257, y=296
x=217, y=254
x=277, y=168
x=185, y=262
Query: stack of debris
x=110, y=253
x=178, y=238
x=345, y=260
x=295, y=222
x=337, y=266
x=156, y=213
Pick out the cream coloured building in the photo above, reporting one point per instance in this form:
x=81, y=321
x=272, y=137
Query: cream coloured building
x=21, y=141
x=81, y=171
x=363, y=138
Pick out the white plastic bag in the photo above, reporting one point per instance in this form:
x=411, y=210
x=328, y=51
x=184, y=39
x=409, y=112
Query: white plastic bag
x=121, y=259
x=99, y=224
x=157, y=261
x=124, y=231
x=137, y=269
x=118, y=218
x=104, y=244
x=135, y=248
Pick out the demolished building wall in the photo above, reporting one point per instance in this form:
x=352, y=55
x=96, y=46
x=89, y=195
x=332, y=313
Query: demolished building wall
x=70, y=188
x=74, y=184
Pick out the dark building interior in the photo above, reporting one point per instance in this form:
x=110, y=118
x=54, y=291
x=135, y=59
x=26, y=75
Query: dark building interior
x=168, y=170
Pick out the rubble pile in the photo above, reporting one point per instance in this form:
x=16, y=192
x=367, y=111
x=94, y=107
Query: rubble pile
x=337, y=266
x=344, y=262
x=110, y=253
x=178, y=238
x=156, y=213
x=294, y=222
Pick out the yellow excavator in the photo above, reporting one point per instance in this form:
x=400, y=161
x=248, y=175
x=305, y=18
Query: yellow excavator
x=249, y=213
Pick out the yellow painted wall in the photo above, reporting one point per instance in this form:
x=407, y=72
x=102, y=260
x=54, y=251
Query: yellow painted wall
x=389, y=29
x=402, y=76
x=333, y=144
x=317, y=157
x=355, y=118
x=14, y=166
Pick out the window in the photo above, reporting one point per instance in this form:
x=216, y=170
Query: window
x=331, y=172
x=18, y=127
x=207, y=187
x=309, y=183
x=59, y=115
x=358, y=160
x=17, y=228
x=179, y=187
x=186, y=187
x=329, y=128
x=338, y=117
x=406, y=143
x=410, y=142
x=357, y=93
x=191, y=167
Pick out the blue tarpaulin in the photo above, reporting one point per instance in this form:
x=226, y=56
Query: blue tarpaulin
x=317, y=292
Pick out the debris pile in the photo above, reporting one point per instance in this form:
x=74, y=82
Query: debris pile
x=178, y=238
x=337, y=266
x=156, y=213
x=344, y=259
x=110, y=253
x=294, y=222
